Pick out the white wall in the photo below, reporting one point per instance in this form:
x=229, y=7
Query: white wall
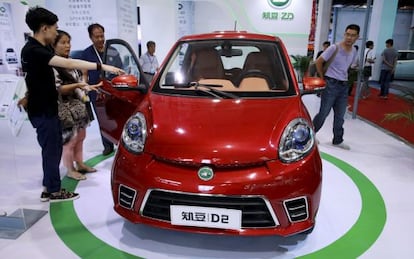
x=118, y=18
x=400, y=35
x=402, y=27
x=158, y=23
x=212, y=15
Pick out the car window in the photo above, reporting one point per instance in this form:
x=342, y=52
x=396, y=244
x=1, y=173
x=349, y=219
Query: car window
x=402, y=55
x=410, y=55
x=405, y=55
x=241, y=67
x=118, y=55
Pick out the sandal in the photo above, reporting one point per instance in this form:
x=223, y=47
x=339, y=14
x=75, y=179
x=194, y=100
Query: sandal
x=86, y=169
x=76, y=176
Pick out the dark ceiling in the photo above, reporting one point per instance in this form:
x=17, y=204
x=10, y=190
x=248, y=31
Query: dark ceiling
x=403, y=4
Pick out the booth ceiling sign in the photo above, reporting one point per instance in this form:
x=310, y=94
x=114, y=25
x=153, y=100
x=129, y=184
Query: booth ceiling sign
x=278, y=4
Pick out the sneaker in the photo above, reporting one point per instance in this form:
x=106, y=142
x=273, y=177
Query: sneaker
x=44, y=196
x=342, y=145
x=63, y=195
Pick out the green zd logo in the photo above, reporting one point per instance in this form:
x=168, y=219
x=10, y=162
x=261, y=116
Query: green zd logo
x=279, y=3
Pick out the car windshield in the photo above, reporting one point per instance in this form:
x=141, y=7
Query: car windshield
x=226, y=69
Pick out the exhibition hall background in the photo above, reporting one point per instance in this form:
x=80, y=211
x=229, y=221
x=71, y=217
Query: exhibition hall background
x=362, y=187
x=164, y=21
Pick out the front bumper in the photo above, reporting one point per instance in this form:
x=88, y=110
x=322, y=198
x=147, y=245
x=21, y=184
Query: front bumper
x=274, y=198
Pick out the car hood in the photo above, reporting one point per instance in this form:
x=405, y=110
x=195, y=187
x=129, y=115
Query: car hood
x=220, y=132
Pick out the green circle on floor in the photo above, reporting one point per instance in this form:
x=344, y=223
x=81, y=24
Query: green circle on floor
x=360, y=237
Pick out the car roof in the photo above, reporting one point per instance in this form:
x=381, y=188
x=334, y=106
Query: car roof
x=230, y=35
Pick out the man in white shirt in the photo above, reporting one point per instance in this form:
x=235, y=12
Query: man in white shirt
x=149, y=62
x=369, y=60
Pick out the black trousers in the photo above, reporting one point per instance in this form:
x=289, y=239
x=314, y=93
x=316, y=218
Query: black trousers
x=49, y=136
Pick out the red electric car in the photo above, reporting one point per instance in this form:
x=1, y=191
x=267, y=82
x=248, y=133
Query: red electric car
x=218, y=142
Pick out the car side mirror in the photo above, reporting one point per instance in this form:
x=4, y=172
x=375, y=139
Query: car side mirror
x=128, y=83
x=125, y=81
x=312, y=85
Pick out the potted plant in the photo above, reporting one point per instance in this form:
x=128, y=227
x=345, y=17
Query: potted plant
x=301, y=65
x=408, y=96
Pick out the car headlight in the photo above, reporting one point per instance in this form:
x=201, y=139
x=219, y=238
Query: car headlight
x=135, y=133
x=296, y=141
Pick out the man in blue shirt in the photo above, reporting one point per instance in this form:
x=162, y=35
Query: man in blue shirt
x=335, y=94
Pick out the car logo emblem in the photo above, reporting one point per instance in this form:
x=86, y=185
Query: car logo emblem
x=205, y=173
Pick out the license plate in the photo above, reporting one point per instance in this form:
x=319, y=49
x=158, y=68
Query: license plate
x=205, y=217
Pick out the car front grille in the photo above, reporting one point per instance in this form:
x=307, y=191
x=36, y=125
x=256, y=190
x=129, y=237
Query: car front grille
x=126, y=196
x=297, y=209
x=255, y=211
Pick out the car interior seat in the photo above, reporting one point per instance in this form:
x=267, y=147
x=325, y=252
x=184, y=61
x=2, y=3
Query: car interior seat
x=256, y=65
x=207, y=65
x=259, y=64
x=258, y=61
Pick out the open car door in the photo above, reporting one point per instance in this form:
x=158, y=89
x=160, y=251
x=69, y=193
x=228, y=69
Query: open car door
x=119, y=96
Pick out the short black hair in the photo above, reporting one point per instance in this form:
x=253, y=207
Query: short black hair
x=328, y=43
x=389, y=41
x=150, y=43
x=93, y=26
x=354, y=27
x=38, y=16
x=369, y=44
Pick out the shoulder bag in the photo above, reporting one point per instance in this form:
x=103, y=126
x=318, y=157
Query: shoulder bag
x=312, y=67
x=71, y=111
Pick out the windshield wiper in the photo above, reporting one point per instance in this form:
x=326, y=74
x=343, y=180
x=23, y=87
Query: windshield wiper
x=212, y=90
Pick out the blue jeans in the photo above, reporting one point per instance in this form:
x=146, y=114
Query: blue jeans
x=335, y=96
x=385, y=79
x=49, y=136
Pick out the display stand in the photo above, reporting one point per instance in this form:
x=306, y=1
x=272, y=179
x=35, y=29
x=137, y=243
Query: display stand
x=12, y=89
x=12, y=226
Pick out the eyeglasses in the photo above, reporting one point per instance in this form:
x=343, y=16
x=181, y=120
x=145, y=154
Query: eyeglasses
x=351, y=35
